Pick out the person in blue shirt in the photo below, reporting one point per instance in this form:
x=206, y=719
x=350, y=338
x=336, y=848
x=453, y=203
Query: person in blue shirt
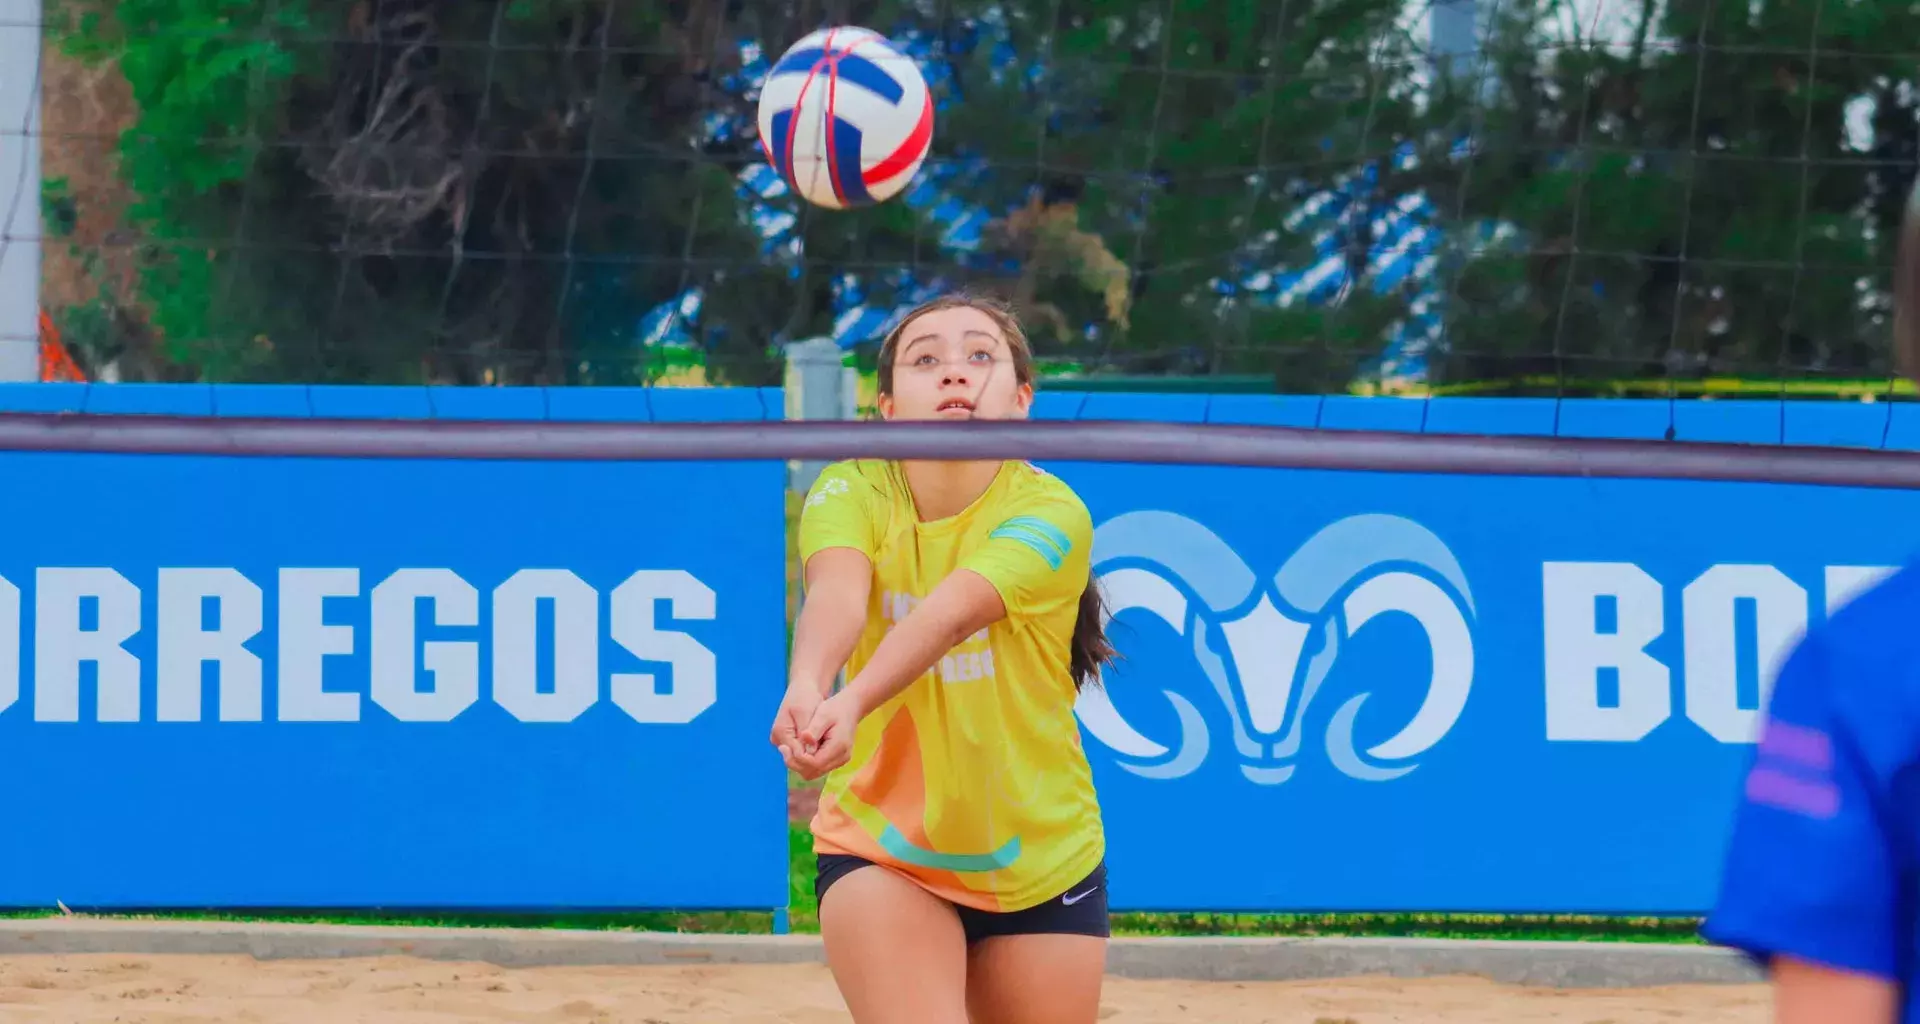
x=1819, y=879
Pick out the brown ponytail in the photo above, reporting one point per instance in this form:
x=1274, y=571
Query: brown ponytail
x=1090, y=648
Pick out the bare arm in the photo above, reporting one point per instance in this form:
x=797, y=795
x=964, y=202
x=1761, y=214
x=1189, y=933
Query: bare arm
x=834, y=611
x=1809, y=993
x=963, y=604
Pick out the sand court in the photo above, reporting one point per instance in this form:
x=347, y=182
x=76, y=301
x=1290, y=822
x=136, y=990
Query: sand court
x=126, y=989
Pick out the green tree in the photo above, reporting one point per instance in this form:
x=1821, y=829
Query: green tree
x=461, y=191
x=1689, y=202
x=403, y=191
x=1161, y=150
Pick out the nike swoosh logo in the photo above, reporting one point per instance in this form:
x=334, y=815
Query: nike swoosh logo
x=1070, y=900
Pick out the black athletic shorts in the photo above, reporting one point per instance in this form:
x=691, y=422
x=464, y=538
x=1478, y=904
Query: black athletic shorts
x=1081, y=910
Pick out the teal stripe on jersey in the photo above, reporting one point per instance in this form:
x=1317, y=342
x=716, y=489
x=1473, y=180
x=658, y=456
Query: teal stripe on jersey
x=1031, y=538
x=1052, y=533
x=907, y=852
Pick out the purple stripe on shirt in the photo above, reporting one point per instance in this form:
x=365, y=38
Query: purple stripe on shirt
x=1782, y=791
x=1806, y=747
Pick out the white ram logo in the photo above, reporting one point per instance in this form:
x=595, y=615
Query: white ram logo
x=1281, y=640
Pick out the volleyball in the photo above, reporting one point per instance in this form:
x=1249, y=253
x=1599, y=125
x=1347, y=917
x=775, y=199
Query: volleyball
x=845, y=118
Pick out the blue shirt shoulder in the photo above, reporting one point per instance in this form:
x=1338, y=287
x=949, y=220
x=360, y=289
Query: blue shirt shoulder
x=1819, y=865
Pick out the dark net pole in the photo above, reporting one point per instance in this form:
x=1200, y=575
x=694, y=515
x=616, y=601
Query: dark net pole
x=1906, y=289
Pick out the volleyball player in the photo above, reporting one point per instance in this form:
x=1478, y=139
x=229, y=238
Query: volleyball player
x=1820, y=875
x=960, y=854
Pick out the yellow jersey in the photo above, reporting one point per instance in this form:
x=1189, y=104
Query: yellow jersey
x=971, y=781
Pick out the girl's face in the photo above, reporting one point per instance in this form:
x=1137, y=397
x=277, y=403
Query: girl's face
x=955, y=364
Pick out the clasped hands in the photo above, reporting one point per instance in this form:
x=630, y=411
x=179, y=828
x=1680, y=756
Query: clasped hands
x=814, y=734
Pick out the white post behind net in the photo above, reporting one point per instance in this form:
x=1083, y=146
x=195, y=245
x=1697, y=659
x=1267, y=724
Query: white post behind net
x=20, y=189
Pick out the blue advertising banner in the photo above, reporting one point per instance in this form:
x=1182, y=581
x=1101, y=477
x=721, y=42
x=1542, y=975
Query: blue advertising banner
x=1396, y=692
x=324, y=682
x=331, y=682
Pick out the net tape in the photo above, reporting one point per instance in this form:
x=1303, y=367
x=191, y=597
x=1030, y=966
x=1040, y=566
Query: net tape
x=1041, y=441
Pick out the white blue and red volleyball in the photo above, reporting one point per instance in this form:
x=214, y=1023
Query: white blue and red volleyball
x=845, y=118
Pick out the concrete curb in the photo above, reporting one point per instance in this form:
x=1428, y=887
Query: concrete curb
x=1555, y=964
x=1559, y=964
x=507, y=947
